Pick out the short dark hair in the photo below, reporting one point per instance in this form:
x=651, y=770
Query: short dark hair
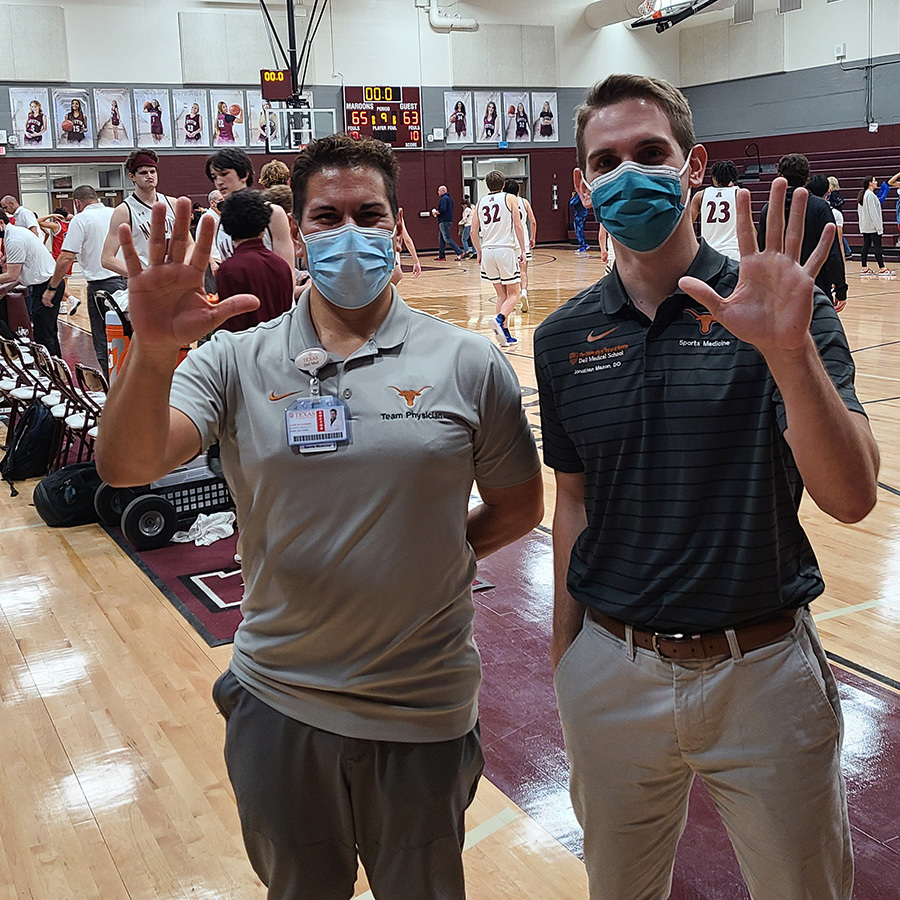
x=131, y=159
x=617, y=88
x=818, y=185
x=61, y=211
x=245, y=214
x=494, y=180
x=511, y=187
x=84, y=192
x=3, y=216
x=724, y=172
x=343, y=152
x=795, y=168
x=280, y=195
x=230, y=158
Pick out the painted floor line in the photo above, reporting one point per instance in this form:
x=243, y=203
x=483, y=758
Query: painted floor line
x=22, y=527
x=844, y=610
x=476, y=835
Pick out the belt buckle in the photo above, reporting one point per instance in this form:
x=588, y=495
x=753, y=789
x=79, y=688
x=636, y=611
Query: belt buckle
x=654, y=642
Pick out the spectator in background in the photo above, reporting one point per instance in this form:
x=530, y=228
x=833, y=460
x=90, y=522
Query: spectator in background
x=818, y=187
x=465, y=224
x=579, y=216
x=20, y=215
x=444, y=216
x=894, y=181
x=274, y=172
x=252, y=268
x=871, y=226
x=213, y=198
x=282, y=195
x=794, y=167
x=836, y=201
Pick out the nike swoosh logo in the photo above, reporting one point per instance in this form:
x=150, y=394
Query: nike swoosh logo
x=596, y=337
x=276, y=397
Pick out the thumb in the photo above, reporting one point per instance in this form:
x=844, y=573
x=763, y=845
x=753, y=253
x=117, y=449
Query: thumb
x=233, y=306
x=702, y=293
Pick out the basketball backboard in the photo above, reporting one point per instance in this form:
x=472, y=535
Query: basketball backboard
x=292, y=128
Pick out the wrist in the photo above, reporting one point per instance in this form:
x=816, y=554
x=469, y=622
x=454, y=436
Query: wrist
x=791, y=359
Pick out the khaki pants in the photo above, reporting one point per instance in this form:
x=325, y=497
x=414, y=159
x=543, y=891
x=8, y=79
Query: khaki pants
x=764, y=734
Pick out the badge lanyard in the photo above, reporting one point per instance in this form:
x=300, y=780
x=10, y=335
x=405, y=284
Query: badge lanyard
x=316, y=424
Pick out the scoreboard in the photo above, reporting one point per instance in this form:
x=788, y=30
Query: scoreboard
x=387, y=113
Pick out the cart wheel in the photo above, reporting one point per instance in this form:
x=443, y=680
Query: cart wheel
x=109, y=502
x=149, y=522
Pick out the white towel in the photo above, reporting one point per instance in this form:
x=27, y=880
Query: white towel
x=207, y=529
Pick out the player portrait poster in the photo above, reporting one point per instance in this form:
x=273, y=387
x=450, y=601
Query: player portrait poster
x=516, y=116
x=152, y=117
x=459, y=117
x=262, y=125
x=487, y=117
x=72, y=118
x=228, y=119
x=30, y=109
x=112, y=113
x=543, y=116
x=193, y=125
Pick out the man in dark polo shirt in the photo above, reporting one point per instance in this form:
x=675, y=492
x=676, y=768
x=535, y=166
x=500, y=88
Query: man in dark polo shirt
x=444, y=216
x=683, y=428
x=253, y=269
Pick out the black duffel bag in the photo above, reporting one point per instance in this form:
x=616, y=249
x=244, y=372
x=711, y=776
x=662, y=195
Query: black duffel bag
x=66, y=497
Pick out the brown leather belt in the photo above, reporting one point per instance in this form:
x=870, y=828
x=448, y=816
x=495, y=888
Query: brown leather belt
x=699, y=646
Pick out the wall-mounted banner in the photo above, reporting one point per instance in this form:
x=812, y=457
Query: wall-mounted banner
x=228, y=120
x=518, y=116
x=72, y=118
x=30, y=108
x=487, y=117
x=153, y=116
x=112, y=114
x=193, y=125
x=458, y=116
x=543, y=116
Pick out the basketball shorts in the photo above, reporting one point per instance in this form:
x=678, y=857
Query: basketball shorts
x=500, y=264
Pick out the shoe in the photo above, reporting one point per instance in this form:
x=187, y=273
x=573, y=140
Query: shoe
x=473, y=256
x=866, y=271
x=581, y=250
x=887, y=273
x=460, y=257
x=440, y=259
x=509, y=338
x=524, y=297
x=74, y=303
x=497, y=325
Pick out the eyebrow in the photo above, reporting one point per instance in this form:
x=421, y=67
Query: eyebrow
x=645, y=142
x=365, y=207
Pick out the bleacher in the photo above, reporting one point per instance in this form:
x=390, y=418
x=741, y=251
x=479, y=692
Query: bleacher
x=850, y=167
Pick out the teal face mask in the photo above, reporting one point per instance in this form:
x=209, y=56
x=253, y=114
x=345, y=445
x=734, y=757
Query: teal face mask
x=350, y=266
x=640, y=206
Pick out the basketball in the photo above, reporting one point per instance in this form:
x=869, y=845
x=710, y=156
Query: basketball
x=511, y=110
x=148, y=106
x=234, y=109
x=66, y=125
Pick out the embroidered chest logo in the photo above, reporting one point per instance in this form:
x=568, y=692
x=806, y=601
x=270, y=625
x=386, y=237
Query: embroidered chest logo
x=410, y=396
x=276, y=397
x=704, y=320
x=596, y=337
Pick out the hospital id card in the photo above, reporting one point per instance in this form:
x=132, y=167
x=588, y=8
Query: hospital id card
x=316, y=425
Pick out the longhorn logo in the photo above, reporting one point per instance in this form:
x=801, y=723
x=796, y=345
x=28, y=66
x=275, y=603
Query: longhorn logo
x=410, y=396
x=705, y=320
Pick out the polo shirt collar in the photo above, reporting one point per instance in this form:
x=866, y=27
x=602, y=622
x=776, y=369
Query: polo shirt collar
x=391, y=333
x=707, y=265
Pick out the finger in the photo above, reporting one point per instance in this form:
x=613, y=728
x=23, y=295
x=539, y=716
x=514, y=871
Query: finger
x=223, y=310
x=178, y=241
x=746, y=233
x=203, y=244
x=702, y=293
x=775, y=216
x=793, y=236
x=820, y=254
x=157, y=254
x=129, y=254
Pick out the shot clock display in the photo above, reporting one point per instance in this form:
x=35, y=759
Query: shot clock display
x=275, y=84
x=390, y=114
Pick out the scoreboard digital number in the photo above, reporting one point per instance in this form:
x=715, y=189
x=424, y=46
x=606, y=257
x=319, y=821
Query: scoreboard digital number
x=275, y=84
x=387, y=113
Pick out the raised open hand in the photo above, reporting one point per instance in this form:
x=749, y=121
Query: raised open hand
x=166, y=300
x=771, y=306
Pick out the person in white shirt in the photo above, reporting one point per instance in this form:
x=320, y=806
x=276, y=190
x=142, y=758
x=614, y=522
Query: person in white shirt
x=22, y=217
x=529, y=226
x=84, y=241
x=718, y=212
x=871, y=226
x=28, y=262
x=214, y=198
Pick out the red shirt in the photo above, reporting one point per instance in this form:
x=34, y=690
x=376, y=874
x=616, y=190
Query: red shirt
x=254, y=269
x=58, y=238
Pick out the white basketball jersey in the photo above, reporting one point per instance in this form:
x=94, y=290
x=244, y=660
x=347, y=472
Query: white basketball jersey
x=495, y=222
x=718, y=220
x=225, y=245
x=139, y=220
x=523, y=215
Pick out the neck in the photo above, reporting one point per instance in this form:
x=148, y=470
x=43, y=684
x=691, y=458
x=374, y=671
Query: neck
x=650, y=277
x=148, y=196
x=244, y=240
x=344, y=331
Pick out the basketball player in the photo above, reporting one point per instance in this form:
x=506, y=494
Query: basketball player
x=35, y=125
x=500, y=241
x=529, y=225
x=156, y=123
x=75, y=125
x=193, y=125
x=231, y=170
x=717, y=209
x=115, y=119
x=141, y=166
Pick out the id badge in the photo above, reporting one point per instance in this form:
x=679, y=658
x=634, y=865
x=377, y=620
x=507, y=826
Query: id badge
x=316, y=425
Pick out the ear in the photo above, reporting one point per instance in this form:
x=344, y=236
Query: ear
x=697, y=166
x=296, y=237
x=582, y=188
x=398, y=240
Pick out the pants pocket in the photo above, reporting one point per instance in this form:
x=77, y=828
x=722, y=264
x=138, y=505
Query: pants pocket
x=225, y=691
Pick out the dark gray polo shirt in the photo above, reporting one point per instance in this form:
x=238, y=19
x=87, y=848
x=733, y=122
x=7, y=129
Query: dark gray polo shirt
x=691, y=490
x=358, y=603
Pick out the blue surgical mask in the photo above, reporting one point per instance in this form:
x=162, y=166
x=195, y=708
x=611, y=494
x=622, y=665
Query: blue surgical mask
x=640, y=206
x=350, y=266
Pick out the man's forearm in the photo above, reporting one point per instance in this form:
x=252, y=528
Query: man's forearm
x=833, y=447
x=505, y=516
x=113, y=264
x=569, y=520
x=63, y=261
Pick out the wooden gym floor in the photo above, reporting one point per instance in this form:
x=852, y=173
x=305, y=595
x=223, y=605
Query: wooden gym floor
x=112, y=783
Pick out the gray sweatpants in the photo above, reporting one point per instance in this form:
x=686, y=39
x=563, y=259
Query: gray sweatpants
x=763, y=732
x=310, y=801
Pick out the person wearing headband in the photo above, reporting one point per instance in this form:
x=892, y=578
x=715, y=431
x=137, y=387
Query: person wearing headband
x=352, y=428
x=687, y=399
x=141, y=166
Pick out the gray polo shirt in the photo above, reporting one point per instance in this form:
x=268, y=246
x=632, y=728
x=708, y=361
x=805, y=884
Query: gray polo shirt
x=358, y=605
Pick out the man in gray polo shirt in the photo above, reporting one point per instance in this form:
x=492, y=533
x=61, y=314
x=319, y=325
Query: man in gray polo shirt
x=351, y=696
